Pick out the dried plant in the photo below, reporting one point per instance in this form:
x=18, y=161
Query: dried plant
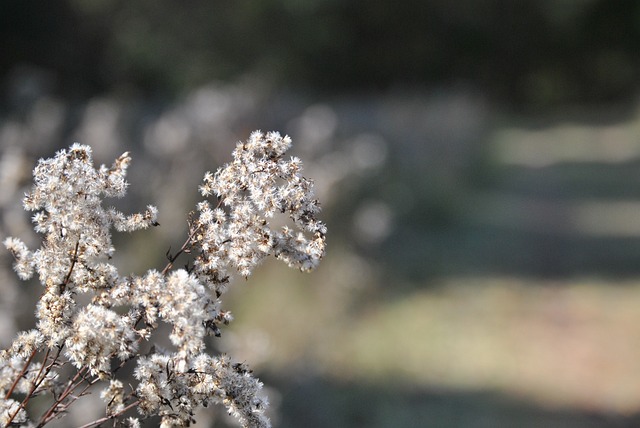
x=95, y=321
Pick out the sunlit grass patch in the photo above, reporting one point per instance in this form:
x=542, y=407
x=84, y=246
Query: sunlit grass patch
x=559, y=344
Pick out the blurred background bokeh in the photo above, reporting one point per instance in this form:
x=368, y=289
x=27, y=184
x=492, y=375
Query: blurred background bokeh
x=478, y=162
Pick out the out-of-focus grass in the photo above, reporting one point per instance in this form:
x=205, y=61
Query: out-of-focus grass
x=570, y=344
x=575, y=345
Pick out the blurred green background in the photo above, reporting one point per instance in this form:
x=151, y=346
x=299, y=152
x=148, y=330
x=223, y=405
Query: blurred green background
x=478, y=163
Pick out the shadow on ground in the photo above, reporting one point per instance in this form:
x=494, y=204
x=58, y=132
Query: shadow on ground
x=318, y=403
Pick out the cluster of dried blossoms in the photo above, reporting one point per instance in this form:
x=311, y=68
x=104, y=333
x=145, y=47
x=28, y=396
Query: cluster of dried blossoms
x=91, y=318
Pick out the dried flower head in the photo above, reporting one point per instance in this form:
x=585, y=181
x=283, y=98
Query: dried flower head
x=258, y=184
x=99, y=334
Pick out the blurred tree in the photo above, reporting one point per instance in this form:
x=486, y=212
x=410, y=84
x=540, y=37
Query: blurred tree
x=525, y=52
x=51, y=36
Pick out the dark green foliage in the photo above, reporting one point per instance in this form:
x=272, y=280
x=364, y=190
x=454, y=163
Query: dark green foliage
x=525, y=52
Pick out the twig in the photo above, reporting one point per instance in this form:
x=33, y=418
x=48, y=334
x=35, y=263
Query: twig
x=74, y=383
x=15, y=383
x=74, y=259
x=22, y=372
x=183, y=249
x=107, y=418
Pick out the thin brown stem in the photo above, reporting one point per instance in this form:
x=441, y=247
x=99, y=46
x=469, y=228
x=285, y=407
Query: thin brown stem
x=184, y=248
x=74, y=259
x=60, y=406
x=40, y=377
x=42, y=367
x=187, y=243
x=15, y=383
x=73, y=383
x=107, y=418
x=22, y=372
